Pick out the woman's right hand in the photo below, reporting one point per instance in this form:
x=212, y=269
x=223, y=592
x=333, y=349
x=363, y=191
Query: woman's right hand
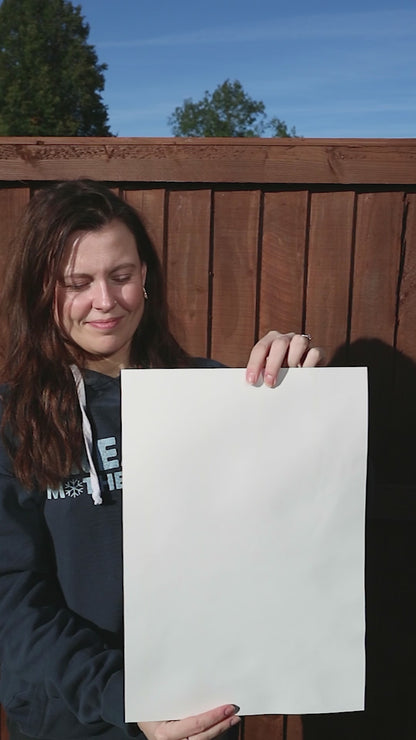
x=203, y=726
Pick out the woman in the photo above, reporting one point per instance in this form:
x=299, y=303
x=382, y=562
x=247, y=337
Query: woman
x=84, y=297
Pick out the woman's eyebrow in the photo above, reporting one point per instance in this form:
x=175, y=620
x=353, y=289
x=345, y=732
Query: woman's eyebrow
x=122, y=266
x=72, y=275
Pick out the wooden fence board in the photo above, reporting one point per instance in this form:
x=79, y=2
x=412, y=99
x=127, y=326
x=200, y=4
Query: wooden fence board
x=263, y=727
x=376, y=265
x=294, y=729
x=188, y=267
x=373, y=322
x=329, y=268
x=406, y=341
x=236, y=224
x=150, y=205
x=402, y=431
x=283, y=261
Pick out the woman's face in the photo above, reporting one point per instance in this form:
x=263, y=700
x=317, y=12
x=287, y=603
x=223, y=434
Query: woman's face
x=99, y=298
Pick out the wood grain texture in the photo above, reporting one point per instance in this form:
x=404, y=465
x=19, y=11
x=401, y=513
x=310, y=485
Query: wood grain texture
x=294, y=727
x=340, y=161
x=329, y=268
x=373, y=321
x=283, y=261
x=402, y=428
x=150, y=206
x=376, y=266
x=236, y=225
x=188, y=268
x=263, y=727
x=406, y=341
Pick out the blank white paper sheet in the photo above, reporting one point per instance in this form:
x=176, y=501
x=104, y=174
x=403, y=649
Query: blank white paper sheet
x=243, y=518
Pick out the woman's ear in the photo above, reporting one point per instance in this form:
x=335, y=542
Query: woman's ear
x=144, y=273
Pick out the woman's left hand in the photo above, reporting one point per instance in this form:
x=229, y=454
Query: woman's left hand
x=276, y=350
x=205, y=726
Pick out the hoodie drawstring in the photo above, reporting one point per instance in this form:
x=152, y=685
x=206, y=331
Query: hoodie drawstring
x=87, y=433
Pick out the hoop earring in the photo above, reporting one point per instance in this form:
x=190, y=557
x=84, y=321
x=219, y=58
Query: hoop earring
x=145, y=296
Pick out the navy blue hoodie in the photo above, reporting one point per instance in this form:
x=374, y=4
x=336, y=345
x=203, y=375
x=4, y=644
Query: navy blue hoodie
x=61, y=592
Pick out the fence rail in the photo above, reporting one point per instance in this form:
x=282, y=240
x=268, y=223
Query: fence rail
x=295, y=234
x=286, y=161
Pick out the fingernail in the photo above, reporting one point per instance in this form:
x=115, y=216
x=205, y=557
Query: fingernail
x=232, y=709
x=235, y=720
x=269, y=380
x=251, y=378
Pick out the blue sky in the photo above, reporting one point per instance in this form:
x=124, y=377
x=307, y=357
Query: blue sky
x=331, y=69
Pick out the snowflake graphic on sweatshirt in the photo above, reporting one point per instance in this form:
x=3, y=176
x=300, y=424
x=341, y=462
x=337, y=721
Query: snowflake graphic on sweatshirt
x=73, y=488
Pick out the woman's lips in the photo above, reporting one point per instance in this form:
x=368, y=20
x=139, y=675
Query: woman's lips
x=104, y=323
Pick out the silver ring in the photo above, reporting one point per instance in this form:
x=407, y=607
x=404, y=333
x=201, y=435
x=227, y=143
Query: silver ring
x=307, y=336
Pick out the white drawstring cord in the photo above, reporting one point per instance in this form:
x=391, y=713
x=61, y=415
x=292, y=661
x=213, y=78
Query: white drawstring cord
x=87, y=433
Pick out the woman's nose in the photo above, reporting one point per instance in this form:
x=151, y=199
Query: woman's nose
x=103, y=297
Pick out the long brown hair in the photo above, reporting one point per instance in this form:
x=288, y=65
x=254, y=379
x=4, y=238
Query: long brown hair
x=41, y=424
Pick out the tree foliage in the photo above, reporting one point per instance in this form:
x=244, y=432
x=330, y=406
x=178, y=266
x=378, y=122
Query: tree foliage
x=50, y=78
x=228, y=111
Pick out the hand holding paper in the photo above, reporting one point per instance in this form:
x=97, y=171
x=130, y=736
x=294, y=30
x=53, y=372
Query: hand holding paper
x=202, y=727
x=276, y=350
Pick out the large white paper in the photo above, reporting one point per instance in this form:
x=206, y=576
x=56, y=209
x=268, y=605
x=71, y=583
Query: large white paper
x=243, y=541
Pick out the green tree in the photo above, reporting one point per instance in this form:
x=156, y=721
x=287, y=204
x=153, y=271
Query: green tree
x=228, y=111
x=50, y=78
x=279, y=128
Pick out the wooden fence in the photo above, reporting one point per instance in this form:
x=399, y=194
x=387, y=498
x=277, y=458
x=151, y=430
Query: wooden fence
x=302, y=235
